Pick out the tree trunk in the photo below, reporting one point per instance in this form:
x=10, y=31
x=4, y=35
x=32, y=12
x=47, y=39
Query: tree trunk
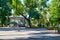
x=1, y=23
x=8, y=21
x=29, y=23
x=27, y=20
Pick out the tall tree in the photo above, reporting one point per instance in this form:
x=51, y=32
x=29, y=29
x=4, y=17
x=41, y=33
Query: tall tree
x=25, y=9
x=43, y=11
x=31, y=6
x=4, y=11
x=55, y=11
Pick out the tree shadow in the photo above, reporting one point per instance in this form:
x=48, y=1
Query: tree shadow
x=12, y=29
x=41, y=38
x=36, y=36
x=19, y=29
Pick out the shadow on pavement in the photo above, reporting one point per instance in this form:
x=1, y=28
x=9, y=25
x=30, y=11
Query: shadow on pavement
x=18, y=29
x=41, y=38
x=33, y=35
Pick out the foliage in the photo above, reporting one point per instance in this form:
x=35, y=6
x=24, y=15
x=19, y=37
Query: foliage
x=5, y=11
x=55, y=11
x=36, y=10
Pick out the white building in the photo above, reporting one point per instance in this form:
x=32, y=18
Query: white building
x=17, y=21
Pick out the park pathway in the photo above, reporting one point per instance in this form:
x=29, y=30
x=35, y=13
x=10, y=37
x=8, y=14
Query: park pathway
x=28, y=34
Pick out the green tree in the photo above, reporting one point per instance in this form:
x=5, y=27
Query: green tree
x=28, y=8
x=55, y=11
x=42, y=7
x=5, y=11
x=31, y=6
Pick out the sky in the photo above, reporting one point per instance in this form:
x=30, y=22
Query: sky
x=22, y=1
x=47, y=3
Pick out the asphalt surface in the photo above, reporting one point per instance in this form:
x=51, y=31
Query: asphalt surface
x=28, y=34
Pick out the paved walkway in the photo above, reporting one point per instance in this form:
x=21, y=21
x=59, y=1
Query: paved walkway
x=28, y=34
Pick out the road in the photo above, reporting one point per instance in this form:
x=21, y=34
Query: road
x=28, y=34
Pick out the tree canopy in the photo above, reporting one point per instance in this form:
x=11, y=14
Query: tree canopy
x=38, y=11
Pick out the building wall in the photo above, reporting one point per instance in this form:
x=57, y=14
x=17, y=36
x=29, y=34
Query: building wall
x=19, y=20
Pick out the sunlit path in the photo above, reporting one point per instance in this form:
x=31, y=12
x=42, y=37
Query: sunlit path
x=29, y=34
